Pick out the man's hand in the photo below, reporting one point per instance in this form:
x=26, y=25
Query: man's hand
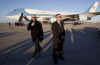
x=24, y=16
x=41, y=38
x=62, y=38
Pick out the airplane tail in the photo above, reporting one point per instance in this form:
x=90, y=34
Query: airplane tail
x=93, y=8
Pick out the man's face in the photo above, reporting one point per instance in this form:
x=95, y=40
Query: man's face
x=33, y=17
x=58, y=18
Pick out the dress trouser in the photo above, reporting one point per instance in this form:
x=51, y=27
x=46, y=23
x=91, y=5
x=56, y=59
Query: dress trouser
x=37, y=46
x=57, y=52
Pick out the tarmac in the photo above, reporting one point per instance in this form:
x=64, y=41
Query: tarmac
x=81, y=46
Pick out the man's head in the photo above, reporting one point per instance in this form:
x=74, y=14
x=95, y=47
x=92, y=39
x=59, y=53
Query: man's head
x=33, y=17
x=58, y=17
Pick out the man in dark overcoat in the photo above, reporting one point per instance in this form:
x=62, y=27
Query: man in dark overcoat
x=58, y=38
x=36, y=31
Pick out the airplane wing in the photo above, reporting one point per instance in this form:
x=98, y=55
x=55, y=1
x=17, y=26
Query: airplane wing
x=71, y=17
x=86, y=16
x=95, y=13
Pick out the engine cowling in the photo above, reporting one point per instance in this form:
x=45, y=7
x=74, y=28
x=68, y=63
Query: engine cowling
x=84, y=17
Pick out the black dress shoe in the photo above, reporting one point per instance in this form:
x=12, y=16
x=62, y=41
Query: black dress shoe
x=61, y=57
x=33, y=55
x=40, y=49
x=55, y=60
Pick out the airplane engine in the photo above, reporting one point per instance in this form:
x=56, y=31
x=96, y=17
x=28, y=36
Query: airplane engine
x=89, y=18
x=84, y=17
x=51, y=20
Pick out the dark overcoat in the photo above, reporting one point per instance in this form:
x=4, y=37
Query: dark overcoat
x=36, y=30
x=58, y=34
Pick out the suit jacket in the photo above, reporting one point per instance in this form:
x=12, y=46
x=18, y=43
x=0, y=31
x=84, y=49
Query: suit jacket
x=58, y=34
x=36, y=30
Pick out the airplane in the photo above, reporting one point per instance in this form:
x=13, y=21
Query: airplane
x=49, y=16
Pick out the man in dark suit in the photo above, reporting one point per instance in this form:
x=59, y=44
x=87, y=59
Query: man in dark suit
x=36, y=32
x=58, y=38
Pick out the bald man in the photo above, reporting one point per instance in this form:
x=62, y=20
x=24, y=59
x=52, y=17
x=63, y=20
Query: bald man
x=36, y=32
